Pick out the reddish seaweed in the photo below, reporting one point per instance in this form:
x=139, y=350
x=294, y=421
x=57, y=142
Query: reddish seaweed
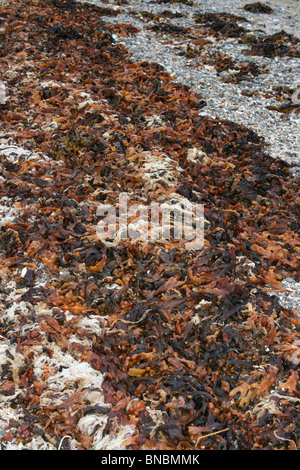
x=194, y=338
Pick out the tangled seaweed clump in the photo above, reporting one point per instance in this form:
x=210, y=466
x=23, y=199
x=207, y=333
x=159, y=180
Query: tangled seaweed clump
x=173, y=345
x=258, y=7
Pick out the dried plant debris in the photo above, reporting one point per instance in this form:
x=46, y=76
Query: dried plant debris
x=276, y=45
x=150, y=16
x=168, y=28
x=258, y=7
x=231, y=70
x=224, y=24
x=184, y=2
x=240, y=72
x=227, y=25
x=135, y=345
x=284, y=97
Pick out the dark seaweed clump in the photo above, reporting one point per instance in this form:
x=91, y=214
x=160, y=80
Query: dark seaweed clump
x=258, y=7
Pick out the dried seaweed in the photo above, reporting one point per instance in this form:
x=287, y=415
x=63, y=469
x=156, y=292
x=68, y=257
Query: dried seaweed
x=276, y=45
x=224, y=24
x=168, y=28
x=185, y=2
x=258, y=7
x=189, y=349
x=243, y=72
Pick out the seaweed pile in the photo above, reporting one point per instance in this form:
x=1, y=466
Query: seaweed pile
x=225, y=24
x=181, y=349
x=276, y=45
x=258, y=7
